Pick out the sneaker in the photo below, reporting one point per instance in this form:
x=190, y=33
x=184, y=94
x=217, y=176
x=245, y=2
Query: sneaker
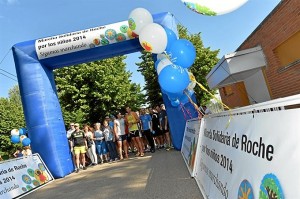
x=152, y=150
x=138, y=154
x=77, y=171
x=142, y=154
x=168, y=148
x=84, y=168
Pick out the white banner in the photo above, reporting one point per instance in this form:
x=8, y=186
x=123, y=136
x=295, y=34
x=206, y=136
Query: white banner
x=189, y=143
x=250, y=156
x=82, y=40
x=20, y=176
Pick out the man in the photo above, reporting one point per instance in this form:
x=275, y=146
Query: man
x=146, y=127
x=69, y=133
x=80, y=145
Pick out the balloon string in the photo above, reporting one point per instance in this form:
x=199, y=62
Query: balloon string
x=200, y=114
x=184, y=115
x=193, y=79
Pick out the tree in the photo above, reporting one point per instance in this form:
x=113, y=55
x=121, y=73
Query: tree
x=11, y=114
x=205, y=60
x=152, y=88
x=90, y=91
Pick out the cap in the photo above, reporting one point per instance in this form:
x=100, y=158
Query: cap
x=76, y=124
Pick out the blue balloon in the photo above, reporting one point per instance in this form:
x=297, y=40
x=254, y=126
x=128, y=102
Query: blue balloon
x=175, y=103
x=22, y=131
x=26, y=142
x=171, y=38
x=174, y=96
x=15, y=139
x=182, y=53
x=173, y=79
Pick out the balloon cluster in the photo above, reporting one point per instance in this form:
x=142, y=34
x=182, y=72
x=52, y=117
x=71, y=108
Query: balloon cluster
x=174, y=56
x=19, y=136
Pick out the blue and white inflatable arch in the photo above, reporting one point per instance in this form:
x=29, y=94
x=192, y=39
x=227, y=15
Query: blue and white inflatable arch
x=35, y=61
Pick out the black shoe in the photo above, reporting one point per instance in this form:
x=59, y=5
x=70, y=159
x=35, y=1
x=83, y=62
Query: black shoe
x=84, y=168
x=152, y=150
x=77, y=171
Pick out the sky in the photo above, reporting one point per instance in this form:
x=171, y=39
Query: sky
x=23, y=20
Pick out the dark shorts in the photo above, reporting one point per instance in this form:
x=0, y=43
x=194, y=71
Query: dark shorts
x=134, y=134
x=122, y=138
x=165, y=131
x=157, y=133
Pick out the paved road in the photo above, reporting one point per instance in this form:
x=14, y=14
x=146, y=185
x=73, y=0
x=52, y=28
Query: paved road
x=161, y=175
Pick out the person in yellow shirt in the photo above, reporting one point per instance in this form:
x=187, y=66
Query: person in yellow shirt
x=132, y=121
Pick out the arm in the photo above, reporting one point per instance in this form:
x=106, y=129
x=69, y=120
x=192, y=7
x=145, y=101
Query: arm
x=166, y=122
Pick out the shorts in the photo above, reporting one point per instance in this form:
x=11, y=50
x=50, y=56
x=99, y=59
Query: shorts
x=157, y=133
x=122, y=138
x=165, y=130
x=134, y=134
x=101, y=147
x=79, y=149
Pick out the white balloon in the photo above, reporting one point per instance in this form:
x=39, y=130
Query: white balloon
x=153, y=38
x=14, y=132
x=22, y=137
x=162, y=64
x=138, y=19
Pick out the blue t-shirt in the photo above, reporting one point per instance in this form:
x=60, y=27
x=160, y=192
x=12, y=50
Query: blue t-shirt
x=145, y=119
x=99, y=135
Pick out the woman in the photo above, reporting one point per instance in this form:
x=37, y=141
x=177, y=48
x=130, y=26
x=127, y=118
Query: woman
x=91, y=145
x=100, y=143
x=121, y=137
x=132, y=121
x=109, y=138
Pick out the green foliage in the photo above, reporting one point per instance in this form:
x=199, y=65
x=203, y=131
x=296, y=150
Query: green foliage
x=206, y=59
x=152, y=88
x=90, y=91
x=11, y=114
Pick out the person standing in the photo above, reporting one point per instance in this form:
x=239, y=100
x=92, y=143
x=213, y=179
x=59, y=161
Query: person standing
x=164, y=126
x=80, y=145
x=121, y=137
x=146, y=127
x=109, y=138
x=91, y=145
x=132, y=121
x=100, y=143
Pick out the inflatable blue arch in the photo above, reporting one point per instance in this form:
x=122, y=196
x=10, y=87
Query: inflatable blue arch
x=35, y=61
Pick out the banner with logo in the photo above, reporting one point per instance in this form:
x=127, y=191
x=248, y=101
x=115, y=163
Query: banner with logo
x=250, y=155
x=83, y=40
x=20, y=176
x=190, y=143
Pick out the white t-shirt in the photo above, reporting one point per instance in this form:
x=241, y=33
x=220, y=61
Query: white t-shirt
x=120, y=126
x=69, y=133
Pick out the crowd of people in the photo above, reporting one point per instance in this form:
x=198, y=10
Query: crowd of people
x=118, y=135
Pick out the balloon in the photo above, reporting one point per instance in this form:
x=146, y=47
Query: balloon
x=26, y=142
x=174, y=96
x=15, y=132
x=138, y=19
x=213, y=7
x=182, y=53
x=153, y=38
x=175, y=103
x=22, y=137
x=171, y=37
x=22, y=131
x=173, y=79
x=15, y=139
x=162, y=56
x=162, y=64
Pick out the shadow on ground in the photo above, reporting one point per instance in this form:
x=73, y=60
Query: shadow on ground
x=161, y=175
